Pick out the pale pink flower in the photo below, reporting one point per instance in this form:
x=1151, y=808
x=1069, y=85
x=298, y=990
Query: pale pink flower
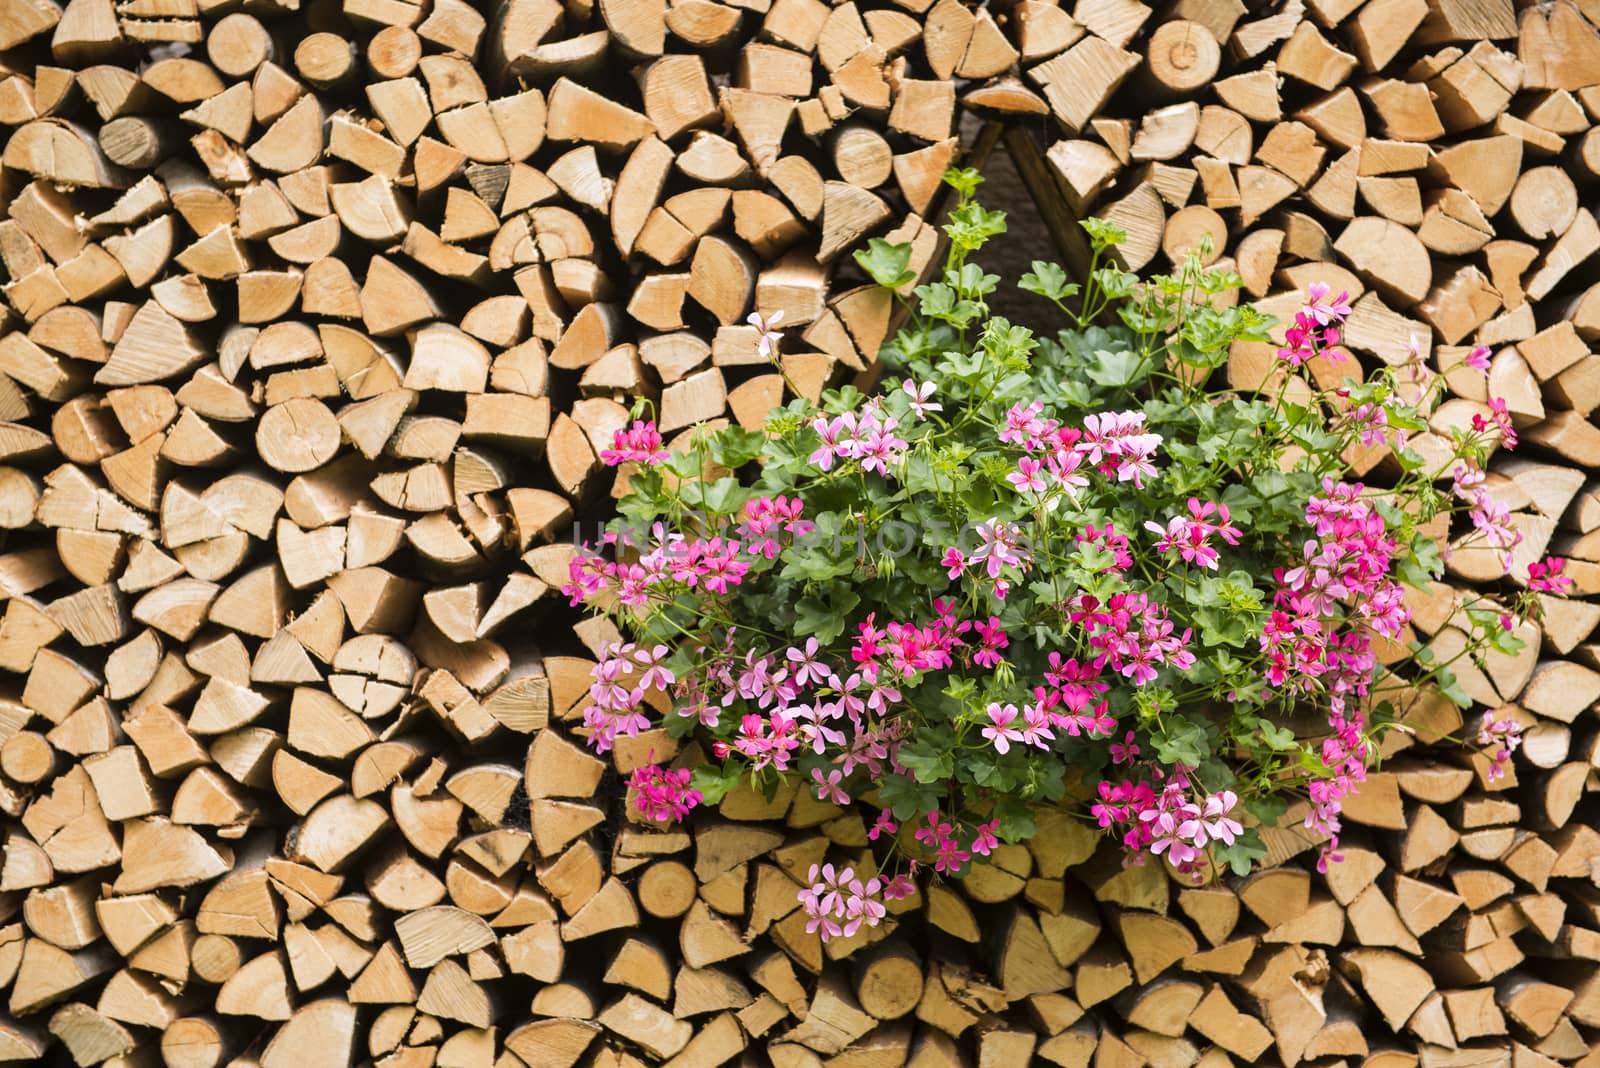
x=767, y=338
x=919, y=397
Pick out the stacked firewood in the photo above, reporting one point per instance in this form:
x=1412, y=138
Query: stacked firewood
x=316, y=319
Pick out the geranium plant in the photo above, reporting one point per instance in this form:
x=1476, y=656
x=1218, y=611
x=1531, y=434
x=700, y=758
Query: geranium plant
x=1046, y=571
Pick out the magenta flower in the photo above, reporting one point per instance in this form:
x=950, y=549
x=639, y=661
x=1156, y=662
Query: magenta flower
x=954, y=562
x=1500, y=419
x=638, y=443
x=934, y=833
x=663, y=795
x=1478, y=358
x=1125, y=751
x=884, y=824
x=992, y=640
x=1544, y=576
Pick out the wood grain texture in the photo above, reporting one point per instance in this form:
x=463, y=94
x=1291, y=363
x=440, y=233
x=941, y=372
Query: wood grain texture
x=316, y=319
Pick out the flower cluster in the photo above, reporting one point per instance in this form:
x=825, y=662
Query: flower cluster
x=837, y=903
x=623, y=675
x=943, y=841
x=1316, y=328
x=1191, y=535
x=766, y=518
x=1499, y=739
x=1491, y=517
x=1545, y=576
x=868, y=437
x=663, y=795
x=639, y=443
x=1172, y=820
x=1038, y=572
x=673, y=564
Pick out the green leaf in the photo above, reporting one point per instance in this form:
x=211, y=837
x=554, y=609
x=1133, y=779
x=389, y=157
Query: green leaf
x=1278, y=738
x=1016, y=820
x=714, y=781
x=886, y=263
x=907, y=798
x=1116, y=370
x=1103, y=235
x=1268, y=808
x=928, y=761
x=1182, y=741
x=825, y=619
x=1049, y=280
x=964, y=180
x=1246, y=849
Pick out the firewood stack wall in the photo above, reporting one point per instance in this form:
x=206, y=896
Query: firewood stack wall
x=316, y=316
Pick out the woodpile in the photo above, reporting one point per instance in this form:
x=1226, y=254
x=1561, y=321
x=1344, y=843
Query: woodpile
x=316, y=317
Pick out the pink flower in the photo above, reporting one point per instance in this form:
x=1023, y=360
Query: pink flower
x=1119, y=444
x=1478, y=358
x=1214, y=823
x=1027, y=478
x=954, y=562
x=638, y=443
x=985, y=841
x=805, y=665
x=1125, y=751
x=656, y=675
x=992, y=640
x=838, y=440
x=898, y=888
x=767, y=338
x=919, y=397
x=1001, y=546
x=1022, y=424
x=935, y=832
x=1315, y=330
x=828, y=788
x=1371, y=419
x=765, y=518
x=1036, y=727
x=1491, y=518
x=1500, y=419
x=662, y=794
x=1501, y=737
x=1326, y=311
x=884, y=824
x=880, y=448
x=1544, y=576
x=1000, y=731
x=1190, y=536
x=1134, y=635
